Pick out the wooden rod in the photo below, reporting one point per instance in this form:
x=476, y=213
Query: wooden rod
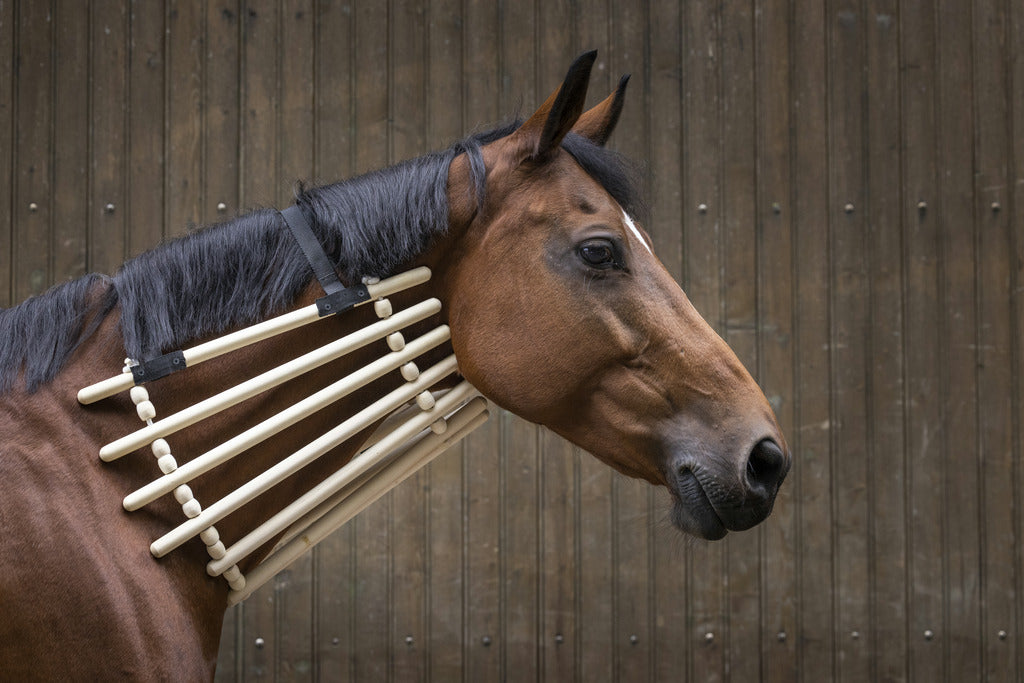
x=339, y=484
x=250, y=335
x=377, y=410
x=454, y=423
x=287, y=417
x=281, y=559
x=268, y=379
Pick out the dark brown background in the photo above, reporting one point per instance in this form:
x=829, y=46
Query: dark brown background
x=860, y=248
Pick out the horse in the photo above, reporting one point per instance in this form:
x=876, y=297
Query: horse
x=556, y=308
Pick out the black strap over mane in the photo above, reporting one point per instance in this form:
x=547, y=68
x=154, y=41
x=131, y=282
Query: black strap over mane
x=339, y=298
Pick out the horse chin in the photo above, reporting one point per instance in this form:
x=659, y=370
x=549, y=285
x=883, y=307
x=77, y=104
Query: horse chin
x=692, y=512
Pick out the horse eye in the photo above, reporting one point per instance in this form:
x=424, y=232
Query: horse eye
x=598, y=253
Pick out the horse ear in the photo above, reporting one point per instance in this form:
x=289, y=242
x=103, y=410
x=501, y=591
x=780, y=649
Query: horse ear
x=598, y=123
x=543, y=132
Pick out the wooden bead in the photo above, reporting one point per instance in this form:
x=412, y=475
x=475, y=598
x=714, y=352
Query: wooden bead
x=183, y=494
x=167, y=464
x=410, y=371
x=217, y=550
x=382, y=307
x=139, y=394
x=396, y=342
x=231, y=572
x=161, y=448
x=210, y=535
x=192, y=508
x=237, y=584
x=425, y=400
x=146, y=410
x=439, y=426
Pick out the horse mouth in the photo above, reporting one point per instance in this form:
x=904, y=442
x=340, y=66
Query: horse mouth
x=692, y=511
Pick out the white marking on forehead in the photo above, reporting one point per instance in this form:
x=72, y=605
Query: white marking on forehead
x=632, y=227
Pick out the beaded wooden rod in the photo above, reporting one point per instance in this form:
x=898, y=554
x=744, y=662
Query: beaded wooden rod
x=414, y=427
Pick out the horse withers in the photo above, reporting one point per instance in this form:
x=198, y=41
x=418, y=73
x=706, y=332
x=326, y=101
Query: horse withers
x=558, y=311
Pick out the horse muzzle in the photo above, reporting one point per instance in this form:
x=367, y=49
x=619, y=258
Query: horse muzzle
x=712, y=497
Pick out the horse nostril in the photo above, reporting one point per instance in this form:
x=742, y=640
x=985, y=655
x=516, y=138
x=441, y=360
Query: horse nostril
x=766, y=468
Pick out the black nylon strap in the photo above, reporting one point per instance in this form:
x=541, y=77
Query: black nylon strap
x=310, y=245
x=338, y=298
x=161, y=366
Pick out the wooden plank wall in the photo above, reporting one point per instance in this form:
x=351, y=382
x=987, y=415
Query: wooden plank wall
x=837, y=184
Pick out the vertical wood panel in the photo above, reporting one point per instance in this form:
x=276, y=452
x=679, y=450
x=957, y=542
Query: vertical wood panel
x=183, y=177
x=1015, y=24
x=775, y=288
x=31, y=245
x=812, y=472
x=887, y=543
x=147, y=66
x=221, y=119
x=995, y=384
x=8, y=118
x=71, y=142
x=958, y=355
x=108, y=99
x=923, y=296
x=847, y=198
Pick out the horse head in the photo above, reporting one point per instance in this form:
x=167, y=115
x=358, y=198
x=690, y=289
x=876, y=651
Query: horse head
x=582, y=329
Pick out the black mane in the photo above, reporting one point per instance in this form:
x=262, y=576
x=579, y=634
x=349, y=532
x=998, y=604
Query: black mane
x=244, y=270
